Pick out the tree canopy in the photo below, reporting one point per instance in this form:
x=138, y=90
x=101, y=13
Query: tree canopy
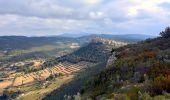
x=165, y=33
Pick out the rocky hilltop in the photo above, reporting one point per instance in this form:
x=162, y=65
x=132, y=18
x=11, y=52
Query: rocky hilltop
x=108, y=42
x=113, y=43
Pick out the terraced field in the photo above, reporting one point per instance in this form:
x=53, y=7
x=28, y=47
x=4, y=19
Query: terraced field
x=37, y=93
x=65, y=68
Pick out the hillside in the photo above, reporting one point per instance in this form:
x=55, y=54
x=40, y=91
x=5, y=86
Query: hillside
x=23, y=42
x=125, y=38
x=130, y=38
x=24, y=72
x=92, y=52
x=95, y=52
x=14, y=46
x=140, y=72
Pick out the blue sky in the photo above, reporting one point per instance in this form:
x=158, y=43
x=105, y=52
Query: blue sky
x=54, y=17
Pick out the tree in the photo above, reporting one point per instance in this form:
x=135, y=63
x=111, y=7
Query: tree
x=166, y=33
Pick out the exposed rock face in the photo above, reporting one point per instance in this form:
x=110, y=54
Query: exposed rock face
x=111, y=59
x=108, y=41
x=113, y=43
x=167, y=60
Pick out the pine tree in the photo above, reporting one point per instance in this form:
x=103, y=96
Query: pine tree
x=166, y=33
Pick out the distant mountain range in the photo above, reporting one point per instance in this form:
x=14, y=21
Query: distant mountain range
x=124, y=38
x=75, y=35
x=23, y=42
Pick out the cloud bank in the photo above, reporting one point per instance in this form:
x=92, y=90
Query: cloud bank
x=53, y=17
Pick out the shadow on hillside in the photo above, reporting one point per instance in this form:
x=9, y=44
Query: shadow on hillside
x=75, y=86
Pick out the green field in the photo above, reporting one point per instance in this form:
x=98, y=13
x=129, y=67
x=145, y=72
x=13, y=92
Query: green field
x=44, y=48
x=45, y=51
x=37, y=92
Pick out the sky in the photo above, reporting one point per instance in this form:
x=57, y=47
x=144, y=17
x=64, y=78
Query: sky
x=54, y=17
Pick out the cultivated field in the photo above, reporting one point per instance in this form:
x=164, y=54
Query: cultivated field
x=62, y=69
x=39, y=93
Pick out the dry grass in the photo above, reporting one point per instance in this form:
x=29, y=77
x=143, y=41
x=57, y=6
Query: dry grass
x=4, y=85
x=66, y=69
x=40, y=93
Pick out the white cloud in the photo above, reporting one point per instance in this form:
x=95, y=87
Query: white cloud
x=132, y=11
x=92, y=1
x=35, y=17
x=96, y=15
x=7, y=19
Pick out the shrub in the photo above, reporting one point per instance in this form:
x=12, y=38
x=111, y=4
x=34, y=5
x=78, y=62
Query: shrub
x=160, y=84
x=157, y=69
x=11, y=94
x=149, y=54
x=146, y=96
x=132, y=93
x=123, y=97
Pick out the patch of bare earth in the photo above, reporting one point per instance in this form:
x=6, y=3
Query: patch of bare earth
x=40, y=93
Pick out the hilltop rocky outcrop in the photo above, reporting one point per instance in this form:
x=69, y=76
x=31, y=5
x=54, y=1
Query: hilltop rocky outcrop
x=114, y=44
x=108, y=42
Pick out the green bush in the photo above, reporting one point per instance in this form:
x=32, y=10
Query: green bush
x=132, y=93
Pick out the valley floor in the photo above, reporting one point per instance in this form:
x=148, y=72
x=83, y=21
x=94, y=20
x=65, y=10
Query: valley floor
x=38, y=94
x=37, y=85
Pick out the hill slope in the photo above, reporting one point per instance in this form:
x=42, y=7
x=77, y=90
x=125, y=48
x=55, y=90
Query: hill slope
x=140, y=71
x=23, y=42
x=96, y=52
x=125, y=38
